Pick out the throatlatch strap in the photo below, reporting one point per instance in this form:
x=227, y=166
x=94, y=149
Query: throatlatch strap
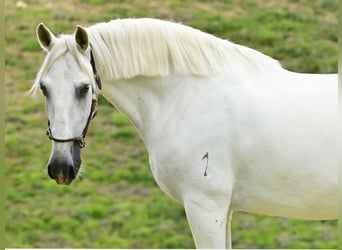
x=97, y=77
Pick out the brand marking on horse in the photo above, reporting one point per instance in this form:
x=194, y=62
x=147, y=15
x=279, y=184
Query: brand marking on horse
x=206, y=156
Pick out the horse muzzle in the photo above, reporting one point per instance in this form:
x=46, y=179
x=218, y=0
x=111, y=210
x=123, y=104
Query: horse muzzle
x=63, y=168
x=62, y=171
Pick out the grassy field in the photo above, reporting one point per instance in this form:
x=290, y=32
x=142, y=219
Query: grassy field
x=116, y=203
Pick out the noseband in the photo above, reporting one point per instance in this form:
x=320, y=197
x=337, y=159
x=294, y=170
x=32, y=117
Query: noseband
x=93, y=110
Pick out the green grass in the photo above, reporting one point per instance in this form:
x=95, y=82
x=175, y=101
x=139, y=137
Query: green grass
x=116, y=202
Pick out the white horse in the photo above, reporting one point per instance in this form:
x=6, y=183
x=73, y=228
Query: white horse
x=226, y=127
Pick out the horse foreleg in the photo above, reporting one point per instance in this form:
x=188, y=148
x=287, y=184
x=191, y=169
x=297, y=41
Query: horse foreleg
x=228, y=231
x=208, y=224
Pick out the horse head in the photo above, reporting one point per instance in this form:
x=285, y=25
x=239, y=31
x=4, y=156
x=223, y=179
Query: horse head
x=68, y=83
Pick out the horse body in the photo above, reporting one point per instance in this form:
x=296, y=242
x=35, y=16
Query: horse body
x=271, y=134
x=261, y=141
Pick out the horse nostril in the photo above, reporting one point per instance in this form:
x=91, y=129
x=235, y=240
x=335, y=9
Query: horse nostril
x=50, y=172
x=71, y=173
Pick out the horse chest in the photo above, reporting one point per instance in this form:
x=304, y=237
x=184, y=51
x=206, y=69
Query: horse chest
x=169, y=179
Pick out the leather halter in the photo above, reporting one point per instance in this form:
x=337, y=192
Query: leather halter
x=93, y=110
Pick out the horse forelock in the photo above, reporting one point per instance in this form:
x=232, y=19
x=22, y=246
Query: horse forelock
x=65, y=43
x=125, y=48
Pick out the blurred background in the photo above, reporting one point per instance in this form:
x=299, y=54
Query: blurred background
x=116, y=203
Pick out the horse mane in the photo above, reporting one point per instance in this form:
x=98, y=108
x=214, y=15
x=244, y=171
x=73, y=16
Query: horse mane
x=125, y=48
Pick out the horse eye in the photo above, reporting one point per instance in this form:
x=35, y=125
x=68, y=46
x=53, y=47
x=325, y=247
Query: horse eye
x=43, y=89
x=83, y=90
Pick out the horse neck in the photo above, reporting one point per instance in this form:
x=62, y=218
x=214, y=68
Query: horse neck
x=142, y=98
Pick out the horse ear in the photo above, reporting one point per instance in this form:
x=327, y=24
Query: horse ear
x=45, y=37
x=81, y=37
